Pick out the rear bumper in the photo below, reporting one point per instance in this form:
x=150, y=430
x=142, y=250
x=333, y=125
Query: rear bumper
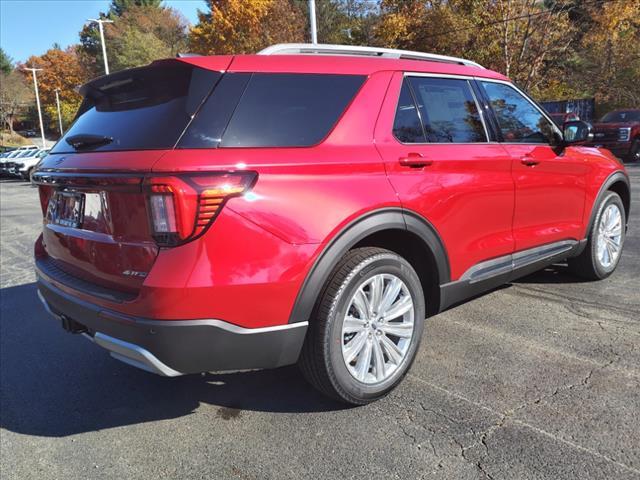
x=176, y=347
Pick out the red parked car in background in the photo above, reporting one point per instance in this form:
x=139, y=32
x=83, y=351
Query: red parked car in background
x=619, y=132
x=311, y=205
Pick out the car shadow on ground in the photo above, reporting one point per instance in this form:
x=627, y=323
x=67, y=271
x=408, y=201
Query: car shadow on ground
x=57, y=384
x=557, y=273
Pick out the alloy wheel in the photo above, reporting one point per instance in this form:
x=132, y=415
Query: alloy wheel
x=377, y=328
x=609, y=239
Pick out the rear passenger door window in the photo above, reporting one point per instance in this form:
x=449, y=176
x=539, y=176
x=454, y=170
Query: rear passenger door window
x=519, y=120
x=446, y=108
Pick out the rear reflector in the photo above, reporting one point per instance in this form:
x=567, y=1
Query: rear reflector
x=183, y=206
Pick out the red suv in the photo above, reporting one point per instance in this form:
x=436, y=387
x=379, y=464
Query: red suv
x=311, y=205
x=619, y=131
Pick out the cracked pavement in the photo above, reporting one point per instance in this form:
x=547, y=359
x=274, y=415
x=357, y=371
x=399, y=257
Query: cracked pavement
x=537, y=380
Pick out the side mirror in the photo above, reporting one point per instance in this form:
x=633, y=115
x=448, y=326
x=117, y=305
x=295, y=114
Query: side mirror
x=577, y=132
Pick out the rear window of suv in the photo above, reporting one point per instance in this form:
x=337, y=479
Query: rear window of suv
x=174, y=105
x=272, y=110
x=139, y=109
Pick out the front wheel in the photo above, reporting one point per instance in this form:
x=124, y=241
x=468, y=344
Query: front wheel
x=366, y=327
x=604, y=244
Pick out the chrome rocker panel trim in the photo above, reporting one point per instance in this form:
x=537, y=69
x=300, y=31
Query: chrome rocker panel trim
x=493, y=273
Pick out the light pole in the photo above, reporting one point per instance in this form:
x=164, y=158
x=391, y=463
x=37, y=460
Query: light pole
x=35, y=84
x=100, y=21
x=59, y=115
x=312, y=18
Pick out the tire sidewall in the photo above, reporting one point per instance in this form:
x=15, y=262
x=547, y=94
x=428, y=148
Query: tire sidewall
x=377, y=264
x=611, y=198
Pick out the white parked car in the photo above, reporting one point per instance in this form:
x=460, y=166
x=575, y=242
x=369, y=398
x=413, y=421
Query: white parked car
x=25, y=165
x=22, y=162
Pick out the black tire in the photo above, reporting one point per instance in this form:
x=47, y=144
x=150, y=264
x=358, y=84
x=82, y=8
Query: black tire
x=634, y=153
x=587, y=265
x=321, y=359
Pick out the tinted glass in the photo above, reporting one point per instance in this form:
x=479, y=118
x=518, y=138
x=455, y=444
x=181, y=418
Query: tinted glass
x=211, y=121
x=448, y=110
x=289, y=110
x=406, y=126
x=519, y=120
x=140, y=109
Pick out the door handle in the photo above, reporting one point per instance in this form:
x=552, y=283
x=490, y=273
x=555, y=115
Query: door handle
x=529, y=161
x=414, y=160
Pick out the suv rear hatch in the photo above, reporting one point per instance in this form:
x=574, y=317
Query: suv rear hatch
x=97, y=231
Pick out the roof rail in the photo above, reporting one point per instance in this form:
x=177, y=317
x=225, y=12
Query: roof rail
x=352, y=50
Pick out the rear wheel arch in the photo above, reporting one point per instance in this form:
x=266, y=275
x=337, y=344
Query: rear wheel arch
x=402, y=232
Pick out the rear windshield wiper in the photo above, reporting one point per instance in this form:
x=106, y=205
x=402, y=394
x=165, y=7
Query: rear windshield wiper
x=83, y=140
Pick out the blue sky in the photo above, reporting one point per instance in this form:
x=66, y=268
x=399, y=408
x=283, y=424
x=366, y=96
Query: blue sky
x=30, y=27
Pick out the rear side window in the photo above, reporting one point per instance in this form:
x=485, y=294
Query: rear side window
x=274, y=110
x=140, y=109
x=288, y=110
x=448, y=110
x=519, y=120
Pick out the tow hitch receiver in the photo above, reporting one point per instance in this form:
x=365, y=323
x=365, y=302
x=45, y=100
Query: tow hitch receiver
x=71, y=325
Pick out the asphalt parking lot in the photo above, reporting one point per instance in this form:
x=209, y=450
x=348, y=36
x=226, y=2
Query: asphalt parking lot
x=540, y=379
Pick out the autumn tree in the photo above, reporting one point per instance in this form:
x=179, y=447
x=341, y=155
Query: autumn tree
x=143, y=34
x=119, y=7
x=142, y=31
x=15, y=97
x=246, y=26
x=520, y=38
x=61, y=70
x=606, y=64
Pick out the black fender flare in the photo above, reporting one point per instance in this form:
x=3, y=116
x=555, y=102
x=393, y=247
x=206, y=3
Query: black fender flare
x=615, y=177
x=358, y=229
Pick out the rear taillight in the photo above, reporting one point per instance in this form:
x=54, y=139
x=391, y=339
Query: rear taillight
x=181, y=207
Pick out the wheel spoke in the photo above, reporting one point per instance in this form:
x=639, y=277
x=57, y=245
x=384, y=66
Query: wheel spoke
x=376, y=286
x=391, y=349
x=608, y=255
x=353, y=324
x=399, y=308
x=612, y=217
x=354, y=346
x=364, y=361
x=390, y=294
x=361, y=302
x=378, y=358
x=402, y=330
x=613, y=246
